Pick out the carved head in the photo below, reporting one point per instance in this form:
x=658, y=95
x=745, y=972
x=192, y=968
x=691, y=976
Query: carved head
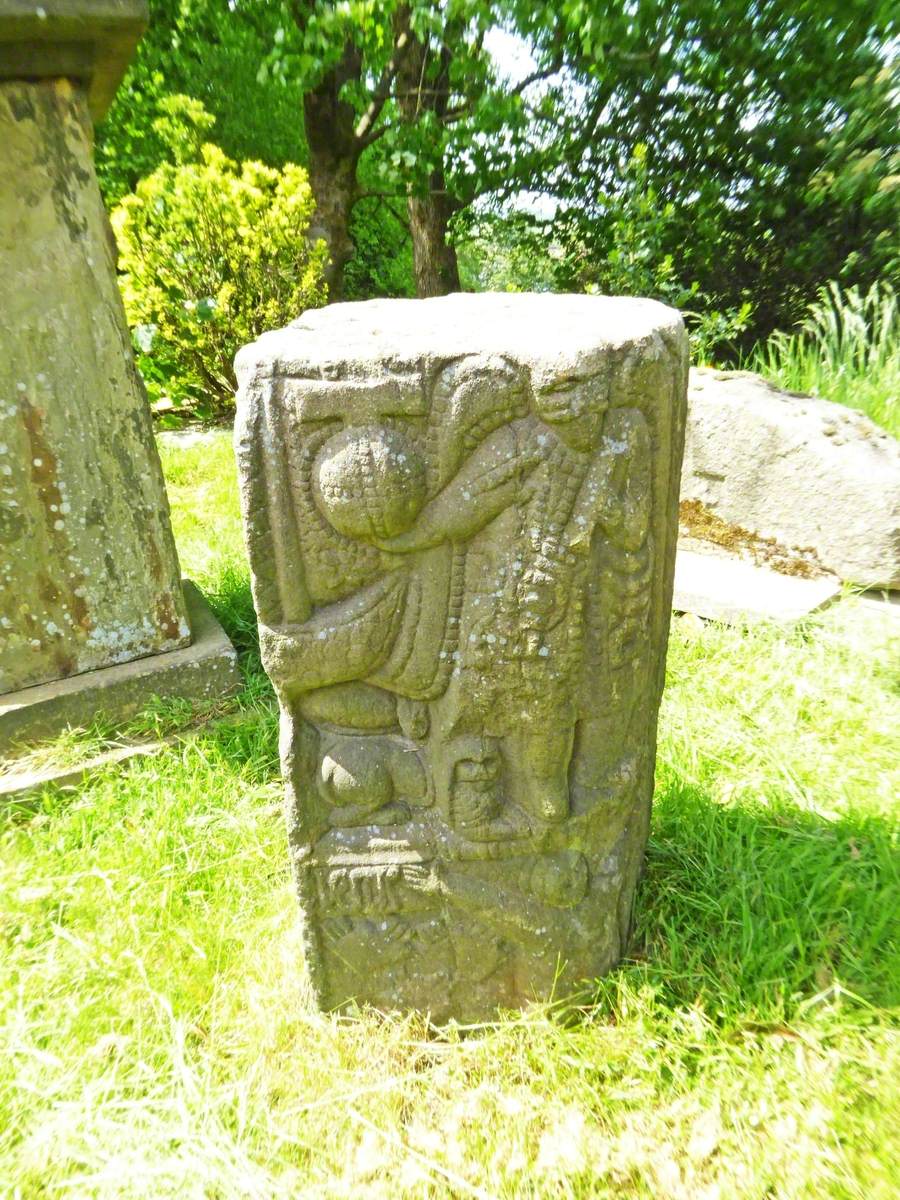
x=573, y=404
x=471, y=768
x=473, y=396
x=369, y=482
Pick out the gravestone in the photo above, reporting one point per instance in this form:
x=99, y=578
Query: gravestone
x=461, y=518
x=89, y=576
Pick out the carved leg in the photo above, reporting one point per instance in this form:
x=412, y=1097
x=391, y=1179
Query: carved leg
x=368, y=780
x=539, y=761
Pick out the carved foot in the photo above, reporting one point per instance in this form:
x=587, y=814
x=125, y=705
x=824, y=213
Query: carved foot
x=548, y=803
x=499, y=829
x=351, y=816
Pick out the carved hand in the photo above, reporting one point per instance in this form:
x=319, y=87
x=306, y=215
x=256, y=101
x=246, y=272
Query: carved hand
x=428, y=879
x=420, y=537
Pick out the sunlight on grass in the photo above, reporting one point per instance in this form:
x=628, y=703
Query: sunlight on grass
x=157, y=1038
x=847, y=350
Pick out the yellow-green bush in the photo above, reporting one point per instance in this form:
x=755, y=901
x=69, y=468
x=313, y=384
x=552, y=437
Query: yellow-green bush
x=214, y=252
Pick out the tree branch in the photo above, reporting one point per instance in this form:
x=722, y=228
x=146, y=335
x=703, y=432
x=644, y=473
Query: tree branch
x=462, y=110
x=365, y=128
x=375, y=195
x=535, y=76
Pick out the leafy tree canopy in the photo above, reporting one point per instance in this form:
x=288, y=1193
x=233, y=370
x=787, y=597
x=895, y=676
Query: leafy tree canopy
x=770, y=127
x=210, y=50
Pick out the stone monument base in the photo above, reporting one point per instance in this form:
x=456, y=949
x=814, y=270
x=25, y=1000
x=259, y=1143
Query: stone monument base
x=205, y=669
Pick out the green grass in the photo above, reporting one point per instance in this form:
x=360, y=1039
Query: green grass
x=156, y=1034
x=847, y=350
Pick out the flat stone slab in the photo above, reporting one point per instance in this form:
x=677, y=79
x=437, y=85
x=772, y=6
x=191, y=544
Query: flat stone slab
x=721, y=587
x=207, y=668
x=19, y=785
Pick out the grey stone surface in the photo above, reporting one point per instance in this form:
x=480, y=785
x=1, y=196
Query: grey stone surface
x=88, y=41
x=811, y=474
x=88, y=571
x=206, y=669
x=461, y=518
x=726, y=588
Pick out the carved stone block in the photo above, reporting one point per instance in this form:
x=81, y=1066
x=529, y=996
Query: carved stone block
x=461, y=518
x=90, y=41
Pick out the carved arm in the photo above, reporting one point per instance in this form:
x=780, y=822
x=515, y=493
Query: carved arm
x=486, y=484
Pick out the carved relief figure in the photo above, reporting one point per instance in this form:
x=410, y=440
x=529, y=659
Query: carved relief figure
x=454, y=579
x=515, y=675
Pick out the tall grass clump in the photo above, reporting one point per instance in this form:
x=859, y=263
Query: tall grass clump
x=847, y=349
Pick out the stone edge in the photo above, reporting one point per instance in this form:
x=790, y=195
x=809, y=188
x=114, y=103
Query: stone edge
x=208, y=666
x=22, y=785
x=91, y=41
x=785, y=598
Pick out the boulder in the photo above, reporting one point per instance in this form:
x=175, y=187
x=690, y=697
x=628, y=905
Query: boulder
x=814, y=476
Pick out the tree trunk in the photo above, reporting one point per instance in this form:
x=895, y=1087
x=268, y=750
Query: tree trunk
x=434, y=259
x=333, y=183
x=334, y=152
x=423, y=81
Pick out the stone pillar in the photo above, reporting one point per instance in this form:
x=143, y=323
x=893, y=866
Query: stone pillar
x=89, y=576
x=461, y=517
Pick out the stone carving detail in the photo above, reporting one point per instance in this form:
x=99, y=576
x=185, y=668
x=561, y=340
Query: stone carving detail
x=460, y=516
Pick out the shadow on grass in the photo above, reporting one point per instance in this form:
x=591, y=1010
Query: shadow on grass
x=759, y=908
x=743, y=907
x=753, y=910
x=232, y=602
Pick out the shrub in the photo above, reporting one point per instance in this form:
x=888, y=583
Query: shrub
x=213, y=252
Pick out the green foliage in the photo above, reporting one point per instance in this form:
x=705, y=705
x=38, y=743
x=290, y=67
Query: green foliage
x=511, y=253
x=156, y=1035
x=182, y=127
x=636, y=261
x=382, y=258
x=517, y=254
x=772, y=135
x=714, y=332
x=210, y=50
x=854, y=195
x=847, y=350
x=773, y=159
x=213, y=253
x=771, y=131
x=468, y=123
x=637, y=264
x=211, y=54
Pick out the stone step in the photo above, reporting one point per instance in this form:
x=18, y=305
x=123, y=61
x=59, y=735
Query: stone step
x=723, y=587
